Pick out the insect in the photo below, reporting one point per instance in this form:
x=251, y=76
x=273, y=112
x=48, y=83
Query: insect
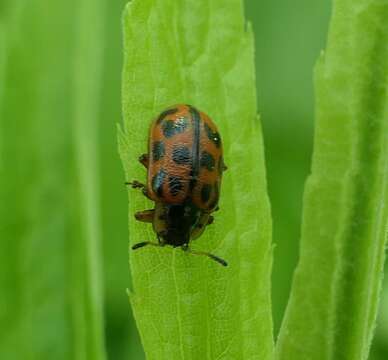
x=184, y=171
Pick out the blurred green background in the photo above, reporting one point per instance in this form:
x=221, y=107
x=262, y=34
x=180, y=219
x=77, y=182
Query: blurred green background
x=41, y=43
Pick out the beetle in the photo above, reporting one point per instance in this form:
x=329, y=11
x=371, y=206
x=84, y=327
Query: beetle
x=184, y=171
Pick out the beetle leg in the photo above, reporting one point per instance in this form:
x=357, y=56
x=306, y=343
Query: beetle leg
x=145, y=216
x=160, y=242
x=135, y=184
x=138, y=185
x=210, y=220
x=144, y=160
x=185, y=247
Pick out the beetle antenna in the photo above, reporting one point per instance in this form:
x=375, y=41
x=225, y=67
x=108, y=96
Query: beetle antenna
x=144, y=243
x=211, y=256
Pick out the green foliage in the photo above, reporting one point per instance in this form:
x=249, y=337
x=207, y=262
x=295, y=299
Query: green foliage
x=186, y=306
x=332, y=310
x=50, y=303
x=61, y=182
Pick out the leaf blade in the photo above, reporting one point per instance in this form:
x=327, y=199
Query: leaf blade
x=172, y=57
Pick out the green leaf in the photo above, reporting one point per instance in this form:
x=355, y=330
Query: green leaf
x=50, y=303
x=332, y=310
x=187, y=307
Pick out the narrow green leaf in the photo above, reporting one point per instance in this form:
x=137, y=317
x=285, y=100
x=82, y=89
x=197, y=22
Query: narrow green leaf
x=332, y=310
x=187, y=307
x=50, y=303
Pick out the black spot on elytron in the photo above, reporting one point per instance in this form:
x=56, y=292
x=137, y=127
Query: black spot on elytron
x=213, y=136
x=207, y=161
x=170, y=127
x=158, y=150
x=166, y=113
x=216, y=195
x=181, y=155
x=157, y=182
x=206, y=192
x=175, y=185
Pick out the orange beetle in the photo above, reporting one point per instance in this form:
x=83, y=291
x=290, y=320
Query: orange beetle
x=185, y=165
